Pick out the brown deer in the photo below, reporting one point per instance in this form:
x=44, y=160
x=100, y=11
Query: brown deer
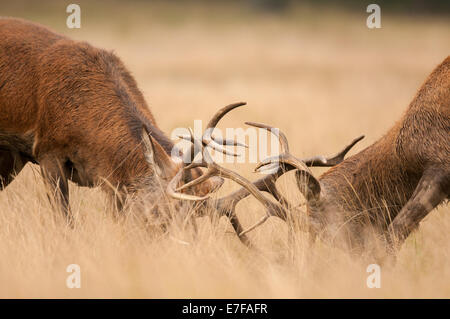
x=389, y=187
x=77, y=112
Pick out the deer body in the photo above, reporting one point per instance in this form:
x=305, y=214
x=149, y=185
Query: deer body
x=375, y=186
x=77, y=112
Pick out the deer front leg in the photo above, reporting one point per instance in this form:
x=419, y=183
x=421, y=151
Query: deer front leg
x=56, y=181
x=433, y=188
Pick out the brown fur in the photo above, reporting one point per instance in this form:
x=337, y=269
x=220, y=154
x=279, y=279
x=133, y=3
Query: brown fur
x=373, y=186
x=76, y=111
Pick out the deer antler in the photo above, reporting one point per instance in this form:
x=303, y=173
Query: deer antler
x=208, y=140
x=286, y=161
x=213, y=169
x=226, y=205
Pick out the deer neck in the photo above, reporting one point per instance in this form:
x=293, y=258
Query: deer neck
x=374, y=180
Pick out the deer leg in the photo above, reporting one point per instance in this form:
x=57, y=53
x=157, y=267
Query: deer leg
x=11, y=163
x=55, y=178
x=433, y=188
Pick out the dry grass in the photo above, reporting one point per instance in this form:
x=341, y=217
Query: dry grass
x=321, y=76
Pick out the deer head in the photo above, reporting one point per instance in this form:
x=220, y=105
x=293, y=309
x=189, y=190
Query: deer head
x=165, y=169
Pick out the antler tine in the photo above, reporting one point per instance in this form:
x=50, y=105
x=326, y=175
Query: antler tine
x=174, y=194
x=196, y=145
x=285, y=157
x=266, y=184
x=214, y=145
x=191, y=139
x=222, y=141
x=322, y=161
x=209, y=173
x=273, y=208
x=302, y=164
x=280, y=135
x=207, y=138
x=226, y=205
x=185, y=137
x=221, y=113
x=260, y=222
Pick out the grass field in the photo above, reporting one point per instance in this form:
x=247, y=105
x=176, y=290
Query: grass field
x=318, y=74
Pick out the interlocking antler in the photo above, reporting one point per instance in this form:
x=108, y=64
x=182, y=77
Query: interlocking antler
x=316, y=161
x=213, y=169
x=225, y=206
x=207, y=140
x=286, y=163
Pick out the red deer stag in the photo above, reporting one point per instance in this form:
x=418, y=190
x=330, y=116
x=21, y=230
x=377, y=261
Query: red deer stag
x=390, y=186
x=77, y=112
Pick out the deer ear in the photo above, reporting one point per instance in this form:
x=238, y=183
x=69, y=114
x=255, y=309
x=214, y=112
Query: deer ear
x=156, y=156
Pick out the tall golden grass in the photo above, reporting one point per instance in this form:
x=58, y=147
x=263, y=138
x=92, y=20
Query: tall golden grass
x=320, y=75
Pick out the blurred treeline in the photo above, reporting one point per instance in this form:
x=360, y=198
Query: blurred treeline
x=120, y=14
x=394, y=7
x=406, y=7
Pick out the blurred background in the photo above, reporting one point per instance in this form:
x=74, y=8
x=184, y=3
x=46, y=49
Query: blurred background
x=312, y=68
